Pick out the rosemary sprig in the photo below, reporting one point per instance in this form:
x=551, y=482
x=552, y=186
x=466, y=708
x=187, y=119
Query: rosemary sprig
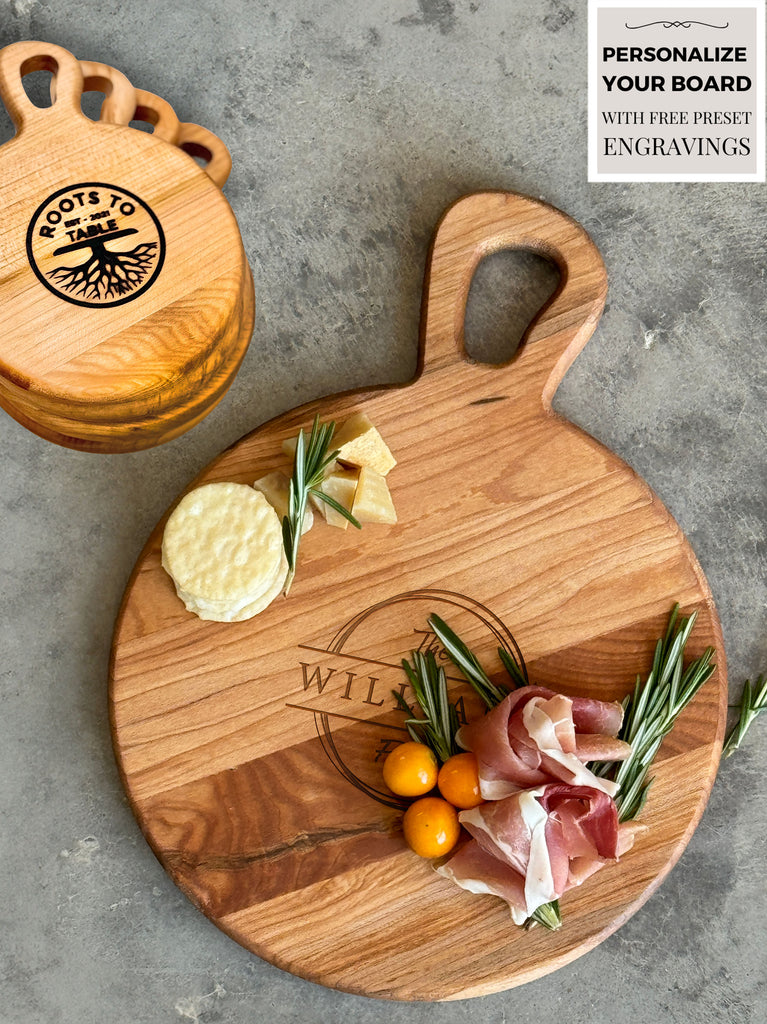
x=439, y=725
x=311, y=460
x=548, y=915
x=651, y=711
x=517, y=670
x=649, y=715
x=752, y=702
x=465, y=660
x=492, y=694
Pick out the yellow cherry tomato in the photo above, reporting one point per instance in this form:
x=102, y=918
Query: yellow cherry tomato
x=431, y=826
x=411, y=769
x=458, y=781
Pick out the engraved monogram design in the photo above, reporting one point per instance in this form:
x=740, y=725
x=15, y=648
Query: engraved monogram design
x=349, y=683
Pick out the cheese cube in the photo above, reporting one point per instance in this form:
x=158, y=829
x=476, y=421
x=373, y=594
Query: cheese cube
x=360, y=444
x=341, y=484
x=276, y=489
x=372, y=500
x=289, y=446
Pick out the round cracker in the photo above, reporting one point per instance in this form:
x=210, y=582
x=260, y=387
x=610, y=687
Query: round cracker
x=223, y=545
x=220, y=611
x=215, y=614
x=194, y=603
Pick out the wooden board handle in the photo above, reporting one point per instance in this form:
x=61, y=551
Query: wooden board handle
x=124, y=104
x=20, y=59
x=199, y=142
x=487, y=222
x=157, y=112
x=119, y=103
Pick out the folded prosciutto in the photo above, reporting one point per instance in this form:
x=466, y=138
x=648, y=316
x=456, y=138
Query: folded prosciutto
x=536, y=736
x=531, y=847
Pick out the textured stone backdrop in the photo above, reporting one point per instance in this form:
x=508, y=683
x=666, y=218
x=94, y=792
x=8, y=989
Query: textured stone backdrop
x=352, y=126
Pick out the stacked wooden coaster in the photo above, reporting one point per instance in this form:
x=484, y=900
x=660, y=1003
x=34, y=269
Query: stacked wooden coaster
x=128, y=297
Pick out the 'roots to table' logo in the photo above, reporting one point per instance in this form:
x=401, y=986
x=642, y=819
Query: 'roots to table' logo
x=95, y=245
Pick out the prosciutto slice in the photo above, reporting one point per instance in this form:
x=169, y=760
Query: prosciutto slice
x=532, y=847
x=536, y=736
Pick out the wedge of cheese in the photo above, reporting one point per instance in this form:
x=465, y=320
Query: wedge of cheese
x=340, y=484
x=276, y=489
x=372, y=499
x=360, y=444
x=289, y=446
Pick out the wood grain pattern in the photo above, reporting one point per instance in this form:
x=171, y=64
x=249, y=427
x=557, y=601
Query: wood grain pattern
x=125, y=284
x=251, y=752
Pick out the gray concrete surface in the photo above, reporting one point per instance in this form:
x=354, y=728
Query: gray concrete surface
x=352, y=126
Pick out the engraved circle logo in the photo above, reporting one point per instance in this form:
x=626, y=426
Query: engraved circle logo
x=350, y=681
x=95, y=245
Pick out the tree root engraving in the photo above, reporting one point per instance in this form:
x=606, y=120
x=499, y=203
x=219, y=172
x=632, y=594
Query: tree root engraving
x=105, y=274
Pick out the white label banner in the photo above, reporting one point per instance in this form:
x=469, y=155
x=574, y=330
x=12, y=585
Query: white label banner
x=676, y=91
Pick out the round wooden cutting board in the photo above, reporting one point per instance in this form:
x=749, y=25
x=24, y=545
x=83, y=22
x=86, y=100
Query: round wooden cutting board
x=251, y=752
x=127, y=296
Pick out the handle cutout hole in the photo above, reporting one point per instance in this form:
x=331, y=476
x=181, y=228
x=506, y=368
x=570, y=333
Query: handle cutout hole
x=91, y=102
x=199, y=153
x=95, y=90
x=37, y=74
x=507, y=291
x=7, y=131
x=145, y=119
